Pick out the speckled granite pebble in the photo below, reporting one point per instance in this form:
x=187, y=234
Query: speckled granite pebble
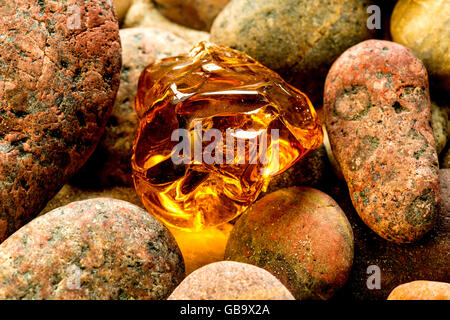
x=59, y=74
x=94, y=249
x=421, y=290
x=228, y=280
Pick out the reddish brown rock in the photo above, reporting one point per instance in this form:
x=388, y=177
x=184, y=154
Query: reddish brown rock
x=301, y=236
x=196, y=14
x=421, y=290
x=59, y=74
x=378, y=117
x=228, y=280
x=94, y=249
x=110, y=165
x=428, y=258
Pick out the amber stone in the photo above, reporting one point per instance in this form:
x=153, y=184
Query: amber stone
x=241, y=122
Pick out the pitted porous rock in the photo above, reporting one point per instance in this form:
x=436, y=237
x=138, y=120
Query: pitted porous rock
x=378, y=117
x=93, y=249
x=59, y=74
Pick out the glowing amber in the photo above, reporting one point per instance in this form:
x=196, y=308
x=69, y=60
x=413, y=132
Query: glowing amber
x=264, y=124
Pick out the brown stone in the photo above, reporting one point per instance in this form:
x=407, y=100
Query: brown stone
x=59, y=74
x=301, y=236
x=228, y=280
x=122, y=7
x=378, y=118
x=195, y=14
x=299, y=39
x=423, y=26
x=421, y=290
x=143, y=13
x=110, y=165
x=94, y=249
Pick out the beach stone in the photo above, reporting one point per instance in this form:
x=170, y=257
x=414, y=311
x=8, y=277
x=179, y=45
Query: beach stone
x=299, y=39
x=428, y=258
x=423, y=26
x=143, y=13
x=301, y=236
x=228, y=280
x=59, y=74
x=69, y=194
x=110, y=165
x=421, y=290
x=94, y=249
x=441, y=130
x=379, y=126
x=195, y=14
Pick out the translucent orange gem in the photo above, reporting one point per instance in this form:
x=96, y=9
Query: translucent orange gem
x=215, y=126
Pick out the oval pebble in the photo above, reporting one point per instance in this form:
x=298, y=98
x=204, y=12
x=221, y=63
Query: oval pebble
x=228, y=280
x=301, y=236
x=378, y=118
x=93, y=249
x=59, y=74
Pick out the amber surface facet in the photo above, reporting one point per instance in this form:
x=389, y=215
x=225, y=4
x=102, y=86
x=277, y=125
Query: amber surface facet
x=264, y=124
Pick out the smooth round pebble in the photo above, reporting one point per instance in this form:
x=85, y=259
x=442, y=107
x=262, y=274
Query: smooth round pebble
x=94, y=249
x=59, y=74
x=423, y=26
x=143, y=13
x=228, y=280
x=195, y=14
x=421, y=290
x=299, y=39
x=122, y=7
x=301, y=236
